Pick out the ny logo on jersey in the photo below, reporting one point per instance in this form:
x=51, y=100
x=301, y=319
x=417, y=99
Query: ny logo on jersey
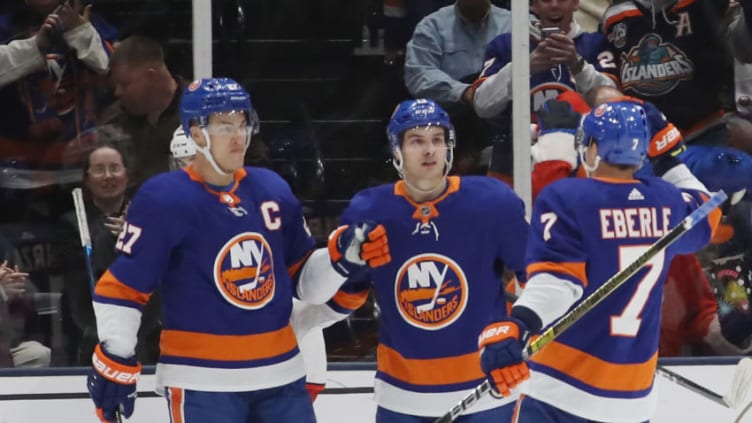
x=430, y=291
x=244, y=271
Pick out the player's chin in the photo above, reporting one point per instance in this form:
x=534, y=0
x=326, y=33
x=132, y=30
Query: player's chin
x=231, y=164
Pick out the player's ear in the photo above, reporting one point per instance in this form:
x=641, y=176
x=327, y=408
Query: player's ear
x=198, y=136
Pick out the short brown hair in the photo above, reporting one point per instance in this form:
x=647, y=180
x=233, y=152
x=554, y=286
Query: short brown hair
x=137, y=50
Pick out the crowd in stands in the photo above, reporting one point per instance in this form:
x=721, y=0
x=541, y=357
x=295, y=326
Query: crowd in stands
x=85, y=104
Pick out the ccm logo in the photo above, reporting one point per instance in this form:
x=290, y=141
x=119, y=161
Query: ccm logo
x=118, y=376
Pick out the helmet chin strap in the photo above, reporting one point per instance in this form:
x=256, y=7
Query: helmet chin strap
x=206, y=152
x=589, y=170
x=398, y=162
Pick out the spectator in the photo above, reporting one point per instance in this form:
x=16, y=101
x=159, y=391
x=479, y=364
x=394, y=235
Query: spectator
x=16, y=296
x=400, y=18
x=51, y=60
x=444, y=57
x=147, y=107
x=106, y=173
x=673, y=55
x=740, y=33
x=565, y=60
x=447, y=48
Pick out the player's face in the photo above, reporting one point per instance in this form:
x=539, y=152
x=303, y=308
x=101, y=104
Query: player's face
x=229, y=135
x=424, y=154
x=106, y=176
x=133, y=87
x=556, y=13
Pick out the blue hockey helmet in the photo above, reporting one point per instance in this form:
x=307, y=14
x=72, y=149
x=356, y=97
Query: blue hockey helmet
x=621, y=131
x=204, y=97
x=416, y=113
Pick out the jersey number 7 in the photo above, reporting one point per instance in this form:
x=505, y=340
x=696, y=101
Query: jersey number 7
x=628, y=322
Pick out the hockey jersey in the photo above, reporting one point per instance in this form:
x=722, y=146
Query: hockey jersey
x=582, y=232
x=225, y=263
x=442, y=287
x=50, y=114
x=592, y=46
x=675, y=59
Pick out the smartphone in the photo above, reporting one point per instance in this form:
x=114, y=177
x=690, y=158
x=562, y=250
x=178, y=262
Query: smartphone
x=545, y=32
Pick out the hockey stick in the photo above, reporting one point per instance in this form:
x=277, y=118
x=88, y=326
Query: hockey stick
x=594, y=299
x=83, y=231
x=739, y=386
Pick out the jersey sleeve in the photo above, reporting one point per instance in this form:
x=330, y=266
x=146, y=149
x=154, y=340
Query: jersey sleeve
x=700, y=235
x=298, y=241
x=555, y=245
x=598, y=53
x=496, y=56
x=152, y=230
x=513, y=232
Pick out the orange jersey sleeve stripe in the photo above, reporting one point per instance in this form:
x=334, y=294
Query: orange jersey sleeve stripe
x=432, y=371
x=109, y=286
x=596, y=372
x=576, y=270
x=206, y=346
x=293, y=270
x=350, y=301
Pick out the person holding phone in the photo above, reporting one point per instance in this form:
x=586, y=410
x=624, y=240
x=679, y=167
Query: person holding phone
x=562, y=58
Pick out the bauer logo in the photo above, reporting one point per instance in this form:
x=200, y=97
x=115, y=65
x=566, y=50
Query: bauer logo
x=431, y=291
x=244, y=271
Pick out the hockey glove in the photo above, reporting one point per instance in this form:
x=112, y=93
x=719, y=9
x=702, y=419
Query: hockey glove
x=558, y=124
x=501, y=345
x=665, y=137
x=557, y=116
x=112, y=384
x=358, y=246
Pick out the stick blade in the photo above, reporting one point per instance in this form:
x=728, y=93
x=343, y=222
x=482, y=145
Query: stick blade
x=741, y=383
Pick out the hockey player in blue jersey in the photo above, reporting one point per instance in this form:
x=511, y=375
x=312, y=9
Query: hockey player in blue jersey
x=450, y=239
x=227, y=245
x=582, y=232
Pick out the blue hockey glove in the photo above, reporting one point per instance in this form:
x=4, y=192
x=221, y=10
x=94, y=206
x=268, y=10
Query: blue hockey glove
x=112, y=384
x=557, y=123
x=555, y=115
x=501, y=345
x=353, y=248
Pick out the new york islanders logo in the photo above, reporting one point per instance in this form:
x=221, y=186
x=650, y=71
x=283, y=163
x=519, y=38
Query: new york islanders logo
x=654, y=67
x=431, y=291
x=244, y=271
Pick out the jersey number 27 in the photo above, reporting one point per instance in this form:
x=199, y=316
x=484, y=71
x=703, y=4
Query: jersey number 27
x=128, y=236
